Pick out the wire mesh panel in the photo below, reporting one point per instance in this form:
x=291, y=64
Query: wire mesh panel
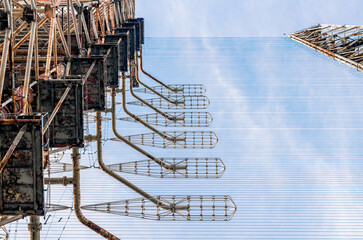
x=183, y=208
x=192, y=140
x=59, y=167
x=180, y=89
x=183, y=168
x=176, y=119
x=181, y=102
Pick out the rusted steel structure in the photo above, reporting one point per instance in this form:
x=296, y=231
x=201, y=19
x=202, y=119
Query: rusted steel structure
x=59, y=60
x=340, y=42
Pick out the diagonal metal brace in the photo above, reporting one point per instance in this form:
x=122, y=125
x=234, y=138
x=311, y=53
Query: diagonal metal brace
x=10, y=151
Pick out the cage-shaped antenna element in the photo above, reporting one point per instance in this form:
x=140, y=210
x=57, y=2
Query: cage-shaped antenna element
x=182, y=102
x=180, y=89
x=55, y=207
x=184, y=168
x=193, y=208
x=176, y=119
x=193, y=140
x=59, y=167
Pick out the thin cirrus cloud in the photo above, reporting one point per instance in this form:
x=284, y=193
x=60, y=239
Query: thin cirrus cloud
x=242, y=18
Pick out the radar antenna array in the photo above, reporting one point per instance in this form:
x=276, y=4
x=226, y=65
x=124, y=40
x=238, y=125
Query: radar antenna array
x=62, y=63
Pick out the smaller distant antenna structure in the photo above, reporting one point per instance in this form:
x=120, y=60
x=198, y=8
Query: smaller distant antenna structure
x=340, y=42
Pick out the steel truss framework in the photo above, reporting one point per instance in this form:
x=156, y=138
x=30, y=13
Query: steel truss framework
x=60, y=58
x=343, y=43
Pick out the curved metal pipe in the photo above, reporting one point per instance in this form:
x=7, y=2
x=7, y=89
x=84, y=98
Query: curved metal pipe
x=127, y=142
x=135, y=66
x=4, y=58
x=151, y=106
x=153, y=78
x=77, y=199
x=171, y=139
x=121, y=179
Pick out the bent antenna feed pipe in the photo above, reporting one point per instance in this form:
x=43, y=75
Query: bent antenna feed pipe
x=165, y=115
x=77, y=199
x=121, y=179
x=166, y=137
x=130, y=144
x=135, y=66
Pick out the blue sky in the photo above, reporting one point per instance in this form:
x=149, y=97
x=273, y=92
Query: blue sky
x=242, y=18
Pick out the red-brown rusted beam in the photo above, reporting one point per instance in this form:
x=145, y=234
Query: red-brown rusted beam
x=11, y=149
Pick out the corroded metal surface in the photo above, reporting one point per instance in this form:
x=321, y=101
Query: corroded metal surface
x=94, y=86
x=67, y=127
x=22, y=178
x=340, y=42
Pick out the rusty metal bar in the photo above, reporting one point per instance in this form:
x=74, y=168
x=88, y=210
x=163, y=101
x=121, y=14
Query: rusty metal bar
x=101, y=23
x=151, y=106
x=41, y=23
x=63, y=39
x=50, y=47
x=17, y=4
x=69, y=2
x=77, y=199
x=4, y=61
x=11, y=219
x=33, y=30
x=85, y=28
x=93, y=25
x=76, y=30
x=11, y=149
x=105, y=13
x=59, y=104
x=117, y=12
x=59, y=181
x=33, y=5
x=20, y=28
x=88, y=72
